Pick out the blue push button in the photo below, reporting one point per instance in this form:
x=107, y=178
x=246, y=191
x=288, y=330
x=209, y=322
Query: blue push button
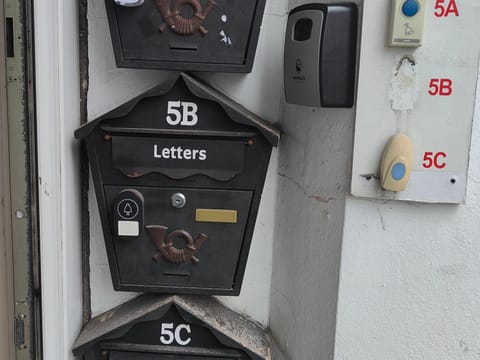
x=410, y=8
x=398, y=171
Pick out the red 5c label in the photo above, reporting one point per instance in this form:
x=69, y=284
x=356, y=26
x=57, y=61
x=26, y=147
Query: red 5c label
x=434, y=160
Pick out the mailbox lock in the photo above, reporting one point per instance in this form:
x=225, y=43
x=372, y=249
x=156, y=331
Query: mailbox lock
x=178, y=200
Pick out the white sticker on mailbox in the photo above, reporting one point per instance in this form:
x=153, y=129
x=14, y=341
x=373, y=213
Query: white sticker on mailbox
x=128, y=228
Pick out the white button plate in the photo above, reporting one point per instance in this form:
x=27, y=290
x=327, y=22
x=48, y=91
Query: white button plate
x=128, y=228
x=406, y=31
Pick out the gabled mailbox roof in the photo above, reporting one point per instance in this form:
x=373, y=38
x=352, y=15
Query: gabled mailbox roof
x=234, y=110
x=222, y=321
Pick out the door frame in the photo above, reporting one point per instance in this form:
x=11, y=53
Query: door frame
x=6, y=252
x=57, y=85
x=22, y=207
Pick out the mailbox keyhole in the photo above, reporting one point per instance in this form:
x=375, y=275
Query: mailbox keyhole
x=179, y=200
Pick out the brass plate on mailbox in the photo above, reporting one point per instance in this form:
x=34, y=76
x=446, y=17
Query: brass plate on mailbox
x=216, y=216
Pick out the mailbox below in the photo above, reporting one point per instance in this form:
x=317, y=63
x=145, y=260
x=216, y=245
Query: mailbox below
x=171, y=327
x=178, y=175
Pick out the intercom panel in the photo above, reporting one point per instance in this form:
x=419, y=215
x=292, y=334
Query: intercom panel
x=415, y=103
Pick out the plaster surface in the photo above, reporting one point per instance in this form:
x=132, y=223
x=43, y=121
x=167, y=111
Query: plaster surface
x=314, y=171
x=410, y=275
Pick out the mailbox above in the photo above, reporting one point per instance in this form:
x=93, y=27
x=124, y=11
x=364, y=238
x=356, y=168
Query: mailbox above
x=200, y=35
x=178, y=174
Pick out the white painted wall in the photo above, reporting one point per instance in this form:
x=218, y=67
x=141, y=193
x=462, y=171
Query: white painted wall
x=410, y=272
x=408, y=282
x=410, y=275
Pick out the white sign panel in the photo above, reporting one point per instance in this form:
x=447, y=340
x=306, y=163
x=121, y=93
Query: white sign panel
x=426, y=93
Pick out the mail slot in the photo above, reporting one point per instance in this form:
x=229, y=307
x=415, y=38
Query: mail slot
x=161, y=327
x=178, y=175
x=200, y=35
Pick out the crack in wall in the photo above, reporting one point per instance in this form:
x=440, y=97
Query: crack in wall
x=319, y=198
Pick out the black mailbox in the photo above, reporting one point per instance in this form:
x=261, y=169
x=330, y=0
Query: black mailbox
x=200, y=35
x=178, y=174
x=174, y=328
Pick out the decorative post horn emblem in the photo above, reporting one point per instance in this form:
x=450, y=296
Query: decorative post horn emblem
x=180, y=24
x=166, y=248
